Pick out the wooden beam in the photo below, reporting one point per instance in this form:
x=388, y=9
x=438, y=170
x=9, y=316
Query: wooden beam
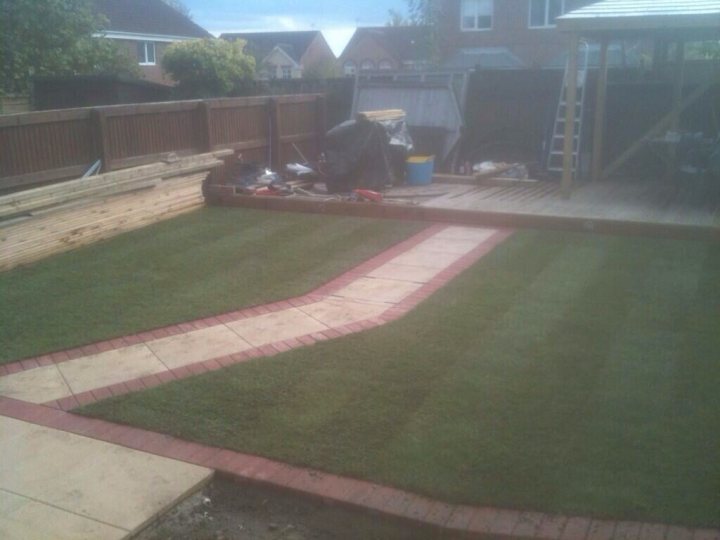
x=570, y=104
x=102, y=144
x=663, y=124
x=273, y=134
x=205, y=132
x=600, y=108
x=678, y=84
x=320, y=125
x=41, y=177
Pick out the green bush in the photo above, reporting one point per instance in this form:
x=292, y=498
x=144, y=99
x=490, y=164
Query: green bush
x=208, y=67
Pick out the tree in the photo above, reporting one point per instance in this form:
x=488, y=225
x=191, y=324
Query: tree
x=180, y=7
x=426, y=13
x=54, y=37
x=396, y=19
x=208, y=67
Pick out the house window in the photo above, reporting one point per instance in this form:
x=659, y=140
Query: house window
x=476, y=15
x=544, y=12
x=349, y=68
x=146, y=53
x=367, y=65
x=385, y=65
x=286, y=72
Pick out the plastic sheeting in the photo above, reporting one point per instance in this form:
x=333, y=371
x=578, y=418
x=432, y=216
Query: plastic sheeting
x=366, y=154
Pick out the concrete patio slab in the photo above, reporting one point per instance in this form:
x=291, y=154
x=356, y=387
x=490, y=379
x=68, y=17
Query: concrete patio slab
x=404, y=272
x=111, y=367
x=277, y=326
x=37, y=385
x=197, y=346
x=336, y=312
x=22, y=518
x=110, y=484
x=378, y=290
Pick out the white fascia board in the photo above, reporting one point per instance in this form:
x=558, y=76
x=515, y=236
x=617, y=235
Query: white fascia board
x=283, y=53
x=142, y=37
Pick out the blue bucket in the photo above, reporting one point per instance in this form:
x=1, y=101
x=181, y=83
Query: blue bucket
x=420, y=170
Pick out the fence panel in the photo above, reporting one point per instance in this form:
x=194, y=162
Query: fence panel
x=40, y=147
x=50, y=146
x=132, y=138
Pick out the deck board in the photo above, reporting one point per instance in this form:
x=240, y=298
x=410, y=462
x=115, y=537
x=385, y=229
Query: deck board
x=691, y=203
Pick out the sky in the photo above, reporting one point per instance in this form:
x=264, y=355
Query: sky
x=336, y=18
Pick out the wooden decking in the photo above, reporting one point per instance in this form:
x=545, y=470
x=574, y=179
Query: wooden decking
x=691, y=202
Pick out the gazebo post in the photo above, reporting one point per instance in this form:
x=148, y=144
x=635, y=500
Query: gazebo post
x=600, y=107
x=570, y=104
x=678, y=84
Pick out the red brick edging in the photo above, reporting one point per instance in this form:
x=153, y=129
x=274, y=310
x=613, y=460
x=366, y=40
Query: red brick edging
x=198, y=324
x=151, y=381
x=473, y=521
x=359, y=494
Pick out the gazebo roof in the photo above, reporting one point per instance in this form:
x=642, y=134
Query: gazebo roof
x=644, y=15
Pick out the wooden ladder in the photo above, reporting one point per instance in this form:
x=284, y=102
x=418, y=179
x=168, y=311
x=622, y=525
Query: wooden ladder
x=557, y=142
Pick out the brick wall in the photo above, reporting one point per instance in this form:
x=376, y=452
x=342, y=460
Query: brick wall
x=150, y=73
x=318, y=53
x=535, y=46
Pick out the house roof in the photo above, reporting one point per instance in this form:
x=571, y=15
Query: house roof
x=629, y=15
x=401, y=42
x=260, y=44
x=484, y=58
x=149, y=17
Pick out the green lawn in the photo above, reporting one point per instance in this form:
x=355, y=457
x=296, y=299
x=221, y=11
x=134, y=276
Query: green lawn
x=563, y=372
x=205, y=263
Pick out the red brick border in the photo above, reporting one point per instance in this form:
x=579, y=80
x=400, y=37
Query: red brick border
x=392, y=313
x=359, y=494
x=251, y=311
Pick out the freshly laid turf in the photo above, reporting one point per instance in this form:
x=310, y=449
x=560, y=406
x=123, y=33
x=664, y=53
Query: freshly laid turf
x=563, y=373
x=205, y=263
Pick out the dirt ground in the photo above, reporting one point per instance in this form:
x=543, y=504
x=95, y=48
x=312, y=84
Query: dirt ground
x=225, y=510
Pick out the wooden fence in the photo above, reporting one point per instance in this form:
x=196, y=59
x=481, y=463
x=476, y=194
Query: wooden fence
x=50, y=146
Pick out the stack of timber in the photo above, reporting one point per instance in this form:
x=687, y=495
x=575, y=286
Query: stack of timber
x=382, y=115
x=40, y=222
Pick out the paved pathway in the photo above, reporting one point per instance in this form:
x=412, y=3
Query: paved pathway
x=377, y=291
x=95, y=479
x=54, y=484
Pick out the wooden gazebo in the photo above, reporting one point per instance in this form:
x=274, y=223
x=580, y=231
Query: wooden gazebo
x=664, y=22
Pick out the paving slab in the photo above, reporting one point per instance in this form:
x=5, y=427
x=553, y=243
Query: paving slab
x=378, y=290
x=197, y=346
x=38, y=385
x=448, y=245
x=277, y=326
x=426, y=258
x=477, y=234
x=404, y=272
x=111, y=367
x=110, y=484
x=339, y=312
x=22, y=519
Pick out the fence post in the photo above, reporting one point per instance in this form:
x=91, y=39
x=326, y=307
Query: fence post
x=274, y=160
x=102, y=146
x=320, y=125
x=205, y=132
